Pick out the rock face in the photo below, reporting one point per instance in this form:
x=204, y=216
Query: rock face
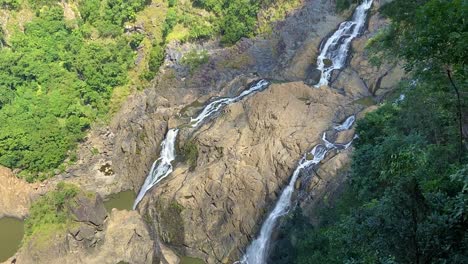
x=16, y=195
x=361, y=78
x=245, y=157
x=96, y=238
x=118, y=157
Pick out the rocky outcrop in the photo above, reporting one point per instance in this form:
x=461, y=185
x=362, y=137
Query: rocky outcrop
x=16, y=194
x=94, y=238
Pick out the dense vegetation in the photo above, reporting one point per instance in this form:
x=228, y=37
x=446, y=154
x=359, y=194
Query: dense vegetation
x=406, y=198
x=50, y=213
x=53, y=83
x=231, y=19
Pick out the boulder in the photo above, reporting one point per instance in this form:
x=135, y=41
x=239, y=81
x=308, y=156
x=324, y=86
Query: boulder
x=89, y=209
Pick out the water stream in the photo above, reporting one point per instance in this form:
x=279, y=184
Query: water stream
x=346, y=124
x=334, y=52
x=162, y=167
x=217, y=105
x=257, y=252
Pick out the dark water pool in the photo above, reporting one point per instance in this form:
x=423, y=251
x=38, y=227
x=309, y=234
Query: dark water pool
x=121, y=201
x=11, y=233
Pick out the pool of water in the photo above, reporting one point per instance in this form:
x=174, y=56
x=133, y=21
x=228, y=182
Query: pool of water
x=121, y=201
x=11, y=233
x=189, y=260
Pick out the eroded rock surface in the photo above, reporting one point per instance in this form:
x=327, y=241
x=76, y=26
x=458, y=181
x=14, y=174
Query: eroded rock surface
x=245, y=157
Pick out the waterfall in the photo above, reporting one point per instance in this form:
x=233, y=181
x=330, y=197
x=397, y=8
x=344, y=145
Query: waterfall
x=335, y=50
x=346, y=124
x=162, y=167
x=257, y=252
x=215, y=106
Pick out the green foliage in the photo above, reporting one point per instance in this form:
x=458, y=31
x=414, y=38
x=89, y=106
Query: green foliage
x=38, y=4
x=342, y=5
x=134, y=40
x=51, y=211
x=194, y=59
x=109, y=16
x=190, y=153
x=156, y=59
x=171, y=3
x=236, y=19
x=53, y=84
x=10, y=4
x=170, y=22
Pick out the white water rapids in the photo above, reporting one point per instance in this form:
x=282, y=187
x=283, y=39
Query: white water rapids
x=162, y=167
x=215, y=106
x=257, y=252
x=346, y=124
x=335, y=50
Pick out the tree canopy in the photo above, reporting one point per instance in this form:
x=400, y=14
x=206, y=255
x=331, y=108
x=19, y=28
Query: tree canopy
x=406, y=198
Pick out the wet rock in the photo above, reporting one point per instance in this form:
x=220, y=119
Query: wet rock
x=313, y=76
x=344, y=137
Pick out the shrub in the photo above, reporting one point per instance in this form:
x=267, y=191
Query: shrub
x=9, y=4
x=170, y=22
x=156, y=58
x=194, y=59
x=51, y=212
x=172, y=3
x=190, y=153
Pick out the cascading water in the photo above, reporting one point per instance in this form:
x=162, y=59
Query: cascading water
x=335, y=50
x=215, y=106
x=162, y=167
x=346, y=124
x=257, y=252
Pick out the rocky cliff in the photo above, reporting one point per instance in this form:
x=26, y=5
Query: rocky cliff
x=214, y=207
x=245, y=157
